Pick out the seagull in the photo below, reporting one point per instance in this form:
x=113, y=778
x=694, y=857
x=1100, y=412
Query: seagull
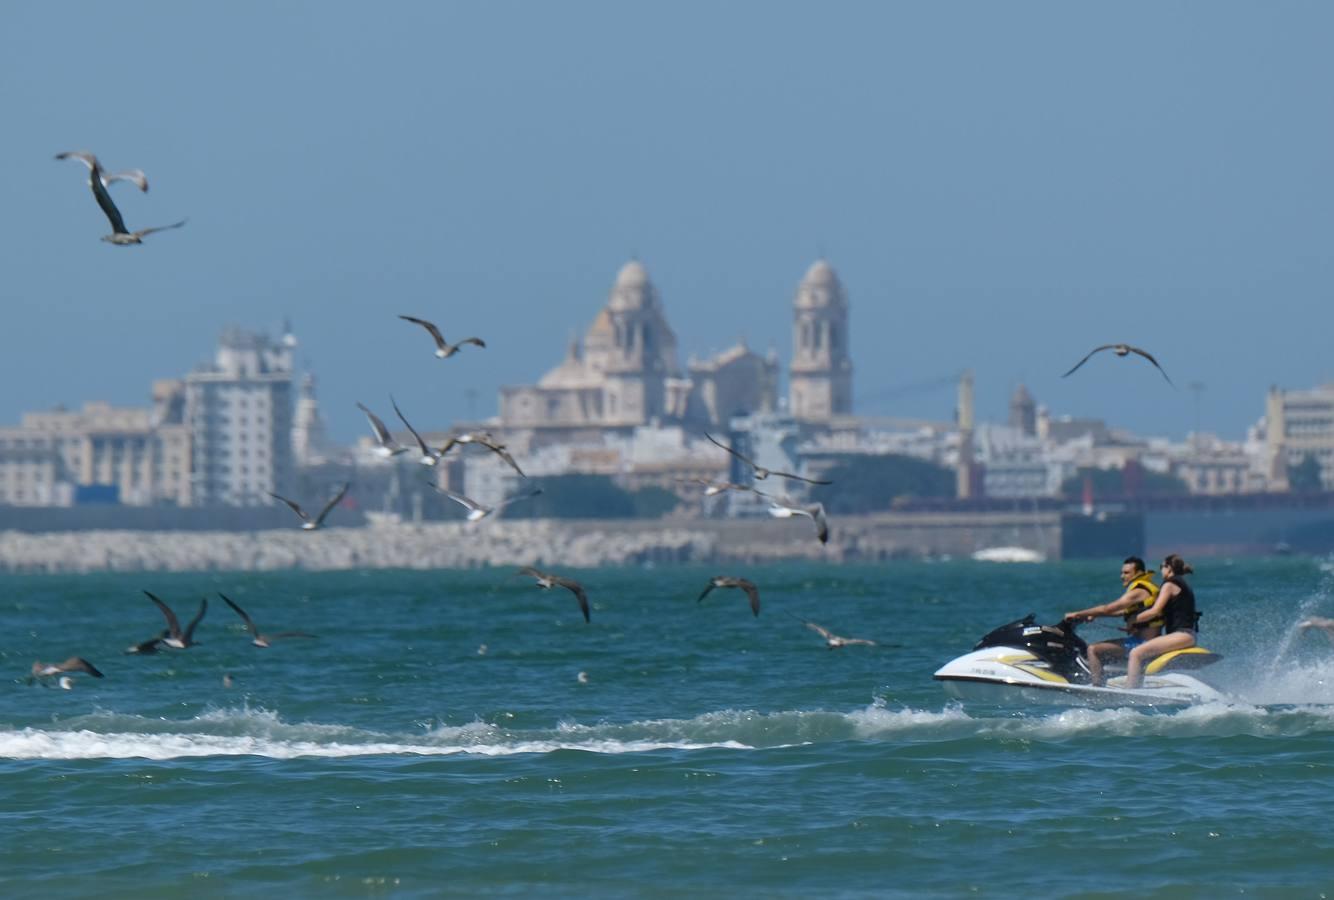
x=546, y=581
x=1121, y=350
x=714, y=488
x=429, y=457
x=309, y=524
x=73, y=664
x=483, y=439
x=135, y=176
x=727, y=581
x=386, y=447
x=477, y=511
x=149, y=646
x=177, y=639
x=443, y=349
x=260, y=640
x=761, y=472
x=98, y=181
x=833, y=641
x=783, y=508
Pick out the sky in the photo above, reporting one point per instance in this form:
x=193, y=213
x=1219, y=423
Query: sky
x=1001, y=187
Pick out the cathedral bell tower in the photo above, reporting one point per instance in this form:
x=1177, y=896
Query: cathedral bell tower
x=821, y=375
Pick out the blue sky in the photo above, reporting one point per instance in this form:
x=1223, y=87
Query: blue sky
x=1000, y=186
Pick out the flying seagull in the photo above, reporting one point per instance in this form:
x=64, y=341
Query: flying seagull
x=386, y=446
x=443, y=349
x=834, y=641
x=783, y=508
x=307, y=523
x=1121, y=350
x=429, y=457
x=98, y=182
x=177, y=639
x=260, y=640
x=73, y=664
x=761, y=472
x=1325, y=625
x=482, y=439
x=714, y=488
x=134, y=176
x=727, y=581
x=546, y=581
x=477, y=511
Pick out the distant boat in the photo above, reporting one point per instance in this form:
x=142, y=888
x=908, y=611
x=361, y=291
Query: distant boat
x=1009, y=555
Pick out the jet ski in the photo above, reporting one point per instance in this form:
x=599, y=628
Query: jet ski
x=1023, y=662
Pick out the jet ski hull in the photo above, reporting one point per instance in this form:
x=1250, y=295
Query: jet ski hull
x=1012, y=676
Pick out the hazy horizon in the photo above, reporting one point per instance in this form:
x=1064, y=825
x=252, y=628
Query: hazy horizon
x=1000, y=188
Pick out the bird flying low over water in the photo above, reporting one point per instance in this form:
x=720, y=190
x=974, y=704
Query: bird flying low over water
x=761, y=472
x=428, y=456
x=1120, y=350
x=728, y=581
x=260, y=640
x=309, y=524
x=546, y=581
x=176, y=638
x=73, y=664
x=482, y=439
x=834, y=641
x=386, y=446
x=443, y=349
x=476, y=511
x=98, y=181
x=783, y=508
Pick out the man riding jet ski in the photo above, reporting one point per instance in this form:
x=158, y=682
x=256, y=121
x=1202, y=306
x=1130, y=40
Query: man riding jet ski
x=1024, y=662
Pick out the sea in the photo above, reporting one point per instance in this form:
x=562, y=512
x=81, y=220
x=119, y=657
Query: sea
x=466, y=733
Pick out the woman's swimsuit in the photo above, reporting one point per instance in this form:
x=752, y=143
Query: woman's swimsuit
x=1180, y=612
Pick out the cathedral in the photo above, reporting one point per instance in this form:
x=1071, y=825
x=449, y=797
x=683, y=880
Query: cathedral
x=625, y=373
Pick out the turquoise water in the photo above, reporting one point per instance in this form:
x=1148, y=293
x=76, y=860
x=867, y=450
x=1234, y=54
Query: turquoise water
x=706, y=752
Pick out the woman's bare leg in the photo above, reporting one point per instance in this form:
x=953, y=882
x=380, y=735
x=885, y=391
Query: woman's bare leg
x=1177, y=640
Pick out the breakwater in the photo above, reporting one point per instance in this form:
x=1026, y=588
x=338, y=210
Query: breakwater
x=573, y=543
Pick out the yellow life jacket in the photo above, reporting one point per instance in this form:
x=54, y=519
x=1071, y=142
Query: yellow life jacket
x=1144, y=580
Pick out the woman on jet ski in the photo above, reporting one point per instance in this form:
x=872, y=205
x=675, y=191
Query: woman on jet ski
x=1176, y=604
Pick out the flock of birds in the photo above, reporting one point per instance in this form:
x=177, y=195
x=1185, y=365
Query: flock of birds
x=387, y=446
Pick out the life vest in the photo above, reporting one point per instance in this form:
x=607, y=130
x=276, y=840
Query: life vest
x=1144, y=580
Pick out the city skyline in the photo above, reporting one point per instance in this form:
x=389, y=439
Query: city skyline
x=999, y=191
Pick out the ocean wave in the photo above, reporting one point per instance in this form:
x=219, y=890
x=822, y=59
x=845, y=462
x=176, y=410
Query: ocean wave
x=260, y=732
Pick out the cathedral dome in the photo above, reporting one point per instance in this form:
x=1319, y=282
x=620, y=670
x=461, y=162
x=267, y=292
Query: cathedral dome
x=820, y=287
x=632, y=289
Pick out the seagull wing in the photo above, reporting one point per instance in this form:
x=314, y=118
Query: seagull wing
x=249, y=623
x=148, y=646
x=104, y=201
x=713, y=583
x=337, y=498
x=79, y=664
x=504, y=503
x=863, y=641
x=429, y=326
x=471, y=505
x=426, y=451
x=472, y=340
x=382, y=435
x=799, y=478
x=821, y=523
x=822, y=632
x=82, y=156
x=1087, y=358
x=505, y=455
x=199, y=616
x=752, y=592
x=145, y=232
x=173, y=626
x=745, y=459
x=291, y=503
x=1149, y=357
x=578, y=590
x=448, y=445
x=134, y=176
x=531, y=572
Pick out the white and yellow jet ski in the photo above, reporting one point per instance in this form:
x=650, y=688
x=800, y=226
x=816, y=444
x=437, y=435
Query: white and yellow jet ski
x=1023, y=663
